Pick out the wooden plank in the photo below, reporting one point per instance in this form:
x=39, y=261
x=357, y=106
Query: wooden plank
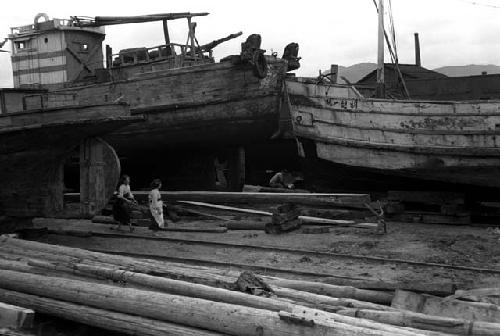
x=433, y=288
x=245, y=225
x=264, y=197
x=426, y=197
x=15, y=317
x=255, y=188
x=304, y=219
x=432, y=305
x=433, y=218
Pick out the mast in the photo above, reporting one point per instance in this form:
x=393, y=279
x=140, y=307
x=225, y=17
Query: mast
x=380, y=58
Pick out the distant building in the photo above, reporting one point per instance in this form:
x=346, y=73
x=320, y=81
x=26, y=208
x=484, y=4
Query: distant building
x=481, y=87
x=393, y=84
x=424, y=84
x=409, y=71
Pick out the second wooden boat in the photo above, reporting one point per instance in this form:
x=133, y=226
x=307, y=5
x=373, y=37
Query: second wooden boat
x=456, y=142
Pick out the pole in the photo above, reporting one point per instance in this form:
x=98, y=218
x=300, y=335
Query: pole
x=380, y=59
x=417, y=50
x=167, y=37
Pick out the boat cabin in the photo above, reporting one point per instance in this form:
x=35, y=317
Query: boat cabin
x=49, y=53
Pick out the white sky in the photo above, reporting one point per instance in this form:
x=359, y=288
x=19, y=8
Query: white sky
x=344, y=32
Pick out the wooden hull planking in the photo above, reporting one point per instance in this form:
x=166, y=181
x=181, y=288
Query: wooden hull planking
x=454, y=142
x=194, y=106
x=35, y=145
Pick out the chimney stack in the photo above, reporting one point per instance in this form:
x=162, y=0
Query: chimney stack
x=417, y=50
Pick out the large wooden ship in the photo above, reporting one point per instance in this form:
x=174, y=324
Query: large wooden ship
x=186, y=98
x=455, y=142
x=35, y=145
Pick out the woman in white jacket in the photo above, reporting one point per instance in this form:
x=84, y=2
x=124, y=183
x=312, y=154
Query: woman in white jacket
x=156, y=205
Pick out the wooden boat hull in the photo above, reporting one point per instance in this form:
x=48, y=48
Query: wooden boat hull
x=218, y=103
x=34, y=146
x=441, y=141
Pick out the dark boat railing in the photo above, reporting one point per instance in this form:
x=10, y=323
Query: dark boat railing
x=171, y=51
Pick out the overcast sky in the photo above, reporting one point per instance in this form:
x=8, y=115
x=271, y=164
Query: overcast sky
x=344, y=32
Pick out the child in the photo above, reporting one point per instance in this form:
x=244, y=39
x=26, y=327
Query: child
x=156, y=205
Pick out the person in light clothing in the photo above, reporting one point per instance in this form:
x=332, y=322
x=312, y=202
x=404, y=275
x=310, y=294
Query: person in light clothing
x=156, y=205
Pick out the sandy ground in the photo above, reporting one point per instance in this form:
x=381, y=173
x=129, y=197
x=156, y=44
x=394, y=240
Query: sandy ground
x=475, y=247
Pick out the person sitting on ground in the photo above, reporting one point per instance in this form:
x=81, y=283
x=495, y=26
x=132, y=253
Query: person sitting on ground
x=124, y=202
x=156, y=206
x=278, y=180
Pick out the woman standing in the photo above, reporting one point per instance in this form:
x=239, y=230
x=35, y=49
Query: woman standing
x=156, y=205
x=123, y=203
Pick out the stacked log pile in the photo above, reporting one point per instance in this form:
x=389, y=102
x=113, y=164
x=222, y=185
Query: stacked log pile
x=147, y=297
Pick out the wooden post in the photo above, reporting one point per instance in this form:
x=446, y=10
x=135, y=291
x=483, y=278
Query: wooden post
x=236, y=165
x=53, y=195
x=109, y=57
x=191, y=36
x=167, y=37
x=380, y=59
x=99, y=173
x=334, y=73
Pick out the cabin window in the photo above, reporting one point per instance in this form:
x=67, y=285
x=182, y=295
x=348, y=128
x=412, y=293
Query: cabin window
x=46, y=40
x=81, y=47
x=21, y=45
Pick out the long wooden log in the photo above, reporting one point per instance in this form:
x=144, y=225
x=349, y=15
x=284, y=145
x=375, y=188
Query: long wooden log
x=333, y=291
x=171, y=286
x=210, y=293
x=439, y=289
x=211, y=277
x=105, y=319
x=323, y=300
x=428, y=322
x=172, y=270
x=432, y=305
x=348, y=200
x=319, y=300
x=326, y=317
x=93, y=228
x=216, y=316
x=217, y=277
x=489, y=295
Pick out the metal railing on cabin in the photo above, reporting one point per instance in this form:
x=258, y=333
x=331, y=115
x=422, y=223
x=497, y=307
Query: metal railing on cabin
x=172, y=51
